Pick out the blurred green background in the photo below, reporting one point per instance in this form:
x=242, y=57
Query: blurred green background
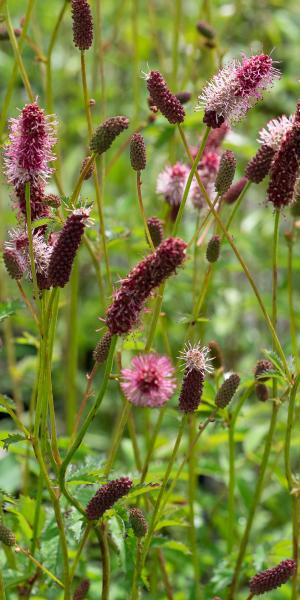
x=137, y=36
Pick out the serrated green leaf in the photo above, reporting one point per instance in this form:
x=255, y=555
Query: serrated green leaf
x=9, y=308
x=12, y=438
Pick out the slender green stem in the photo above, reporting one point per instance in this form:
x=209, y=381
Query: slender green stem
x=135, y=56
x=191, y=495
x=105, y=561
x=80, y=548
x=84, y=427
x=190, y=177
x=13, y=415
x=30, y=240
x=85, y=94
x=237, y=204
x=255, y=501
x=293, y=322
x=40, y=566
x=152, y=444
x=117, y=437
x=175, y=45
x=28, y=303
x=231, y=487
x=2, y=588
x=71, y=405
x=142, y=210
x=81, y=179
x=155, y=317
x=38, y=502
x=240, y=259
x=275, y=268
x=292, y=484
x=17, y=54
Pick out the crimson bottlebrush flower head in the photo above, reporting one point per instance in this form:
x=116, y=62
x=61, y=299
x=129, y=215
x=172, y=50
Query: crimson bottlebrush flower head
x=106, y=497
x=213, y=249
x=226, y=172
x=274, y=132
x=15, y=263
x=82, y=24
x=123, y=314
x=32, y=136
x=150, y=380
x=230, y=94
x=138, y=522
x=271, y=579
x=7, y=537
x=262, y=369
x=196, y=364
x=101, y=351
x=285, y=167
x=138, y=152
x=165, y=101
x=65, y=248
x=259, y=166
x=227, y=390
x=82, y=590
x=106, y=133
x=171, y=183
x=156, y=231
x=235, y=190
x=215, y=354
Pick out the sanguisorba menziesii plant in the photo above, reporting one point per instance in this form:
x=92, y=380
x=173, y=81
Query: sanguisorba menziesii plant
x=132, y=497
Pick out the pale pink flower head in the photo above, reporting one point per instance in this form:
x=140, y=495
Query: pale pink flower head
x=150, y=380
x=32, y=136
x=235, y=88
x=171, y=183
x=275, y=130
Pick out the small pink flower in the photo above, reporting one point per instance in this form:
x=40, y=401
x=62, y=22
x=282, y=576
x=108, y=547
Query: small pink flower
x=149, y=381
x=230, y=94
x=171, y=183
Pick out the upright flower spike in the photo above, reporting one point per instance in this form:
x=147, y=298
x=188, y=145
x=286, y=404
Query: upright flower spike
x=106, y=497
x=106, y=133
x=213, y=249
x=269, y=580
x=171, y=183
x=65, y=248
x=226, y=172
x=7, y=537
x=138, y=522
x=230, y=94
x=101, y=351
x=82, y=24
x=138, y=152
x=227, y=390
x=82, y=590
x=196, y=364
x=156, y=230
x=270, y=139
x=150, y=380
x=165, y=101
x=123, y=314
x=285, y=167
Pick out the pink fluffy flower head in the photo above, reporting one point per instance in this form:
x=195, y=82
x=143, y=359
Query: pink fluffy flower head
x=149, y=381
x=230, y=94
x=32, y=137
x=171, y=183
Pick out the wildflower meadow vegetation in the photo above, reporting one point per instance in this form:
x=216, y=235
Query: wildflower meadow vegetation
x=150, y=216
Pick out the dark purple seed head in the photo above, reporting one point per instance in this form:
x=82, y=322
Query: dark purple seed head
x=165, y=101
x=82, y=590
x=107, y=132
x=262, y=392
x=82, y=24
x=259, y=166
x=102, y=349
x=269, y=580
x=106, y=497
x=206, y=30
x=226, y=172
x=235, y=190
x=7, y=537
x=262, y=367
x=14, y=263
x=156, y=230
x=213, y=249
x=137, y=152
x=138, y=522
x=227, y=390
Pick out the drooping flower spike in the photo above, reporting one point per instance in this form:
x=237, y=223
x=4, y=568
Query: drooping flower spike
x=149, y=381
x=230, y=94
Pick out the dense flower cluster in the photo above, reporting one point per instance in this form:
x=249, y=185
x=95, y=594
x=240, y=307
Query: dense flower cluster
x=138, y=152
x=230, y=94
x=227, y=390
x=128, y=302
x=138, y=522
x=82, y=590
x=150, y=380
x=106, y=497
x=196, y=365
x=272, y=578
x=107, y=132
x=156, y=231
x=82, y=24
x=165, y=101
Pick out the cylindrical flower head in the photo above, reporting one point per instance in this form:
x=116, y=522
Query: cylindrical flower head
x=285, y=168
x=123, y=313
x=15, y=263
x=196, y=364
x=226, y=172
x=167, y=102
x=90, y=171
x=82, y=590
x=227, y=390
x=107, y=132
x=215, y=354
x=82, y=24
x=156, y=230
x=259, y=166
x=235, y=190
x=230, y=94
x=137, y=152
x=101, y=351
x=7, y=536
x=171, y=183
x=64, y=250
x=106, y=497
x=183, y=97
x=213, y=249
x=32, y=137
x=150, y=380
x=262, y=392
x=261, y=370
x=271, y=579
x=206, y=30
x=138, y=522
